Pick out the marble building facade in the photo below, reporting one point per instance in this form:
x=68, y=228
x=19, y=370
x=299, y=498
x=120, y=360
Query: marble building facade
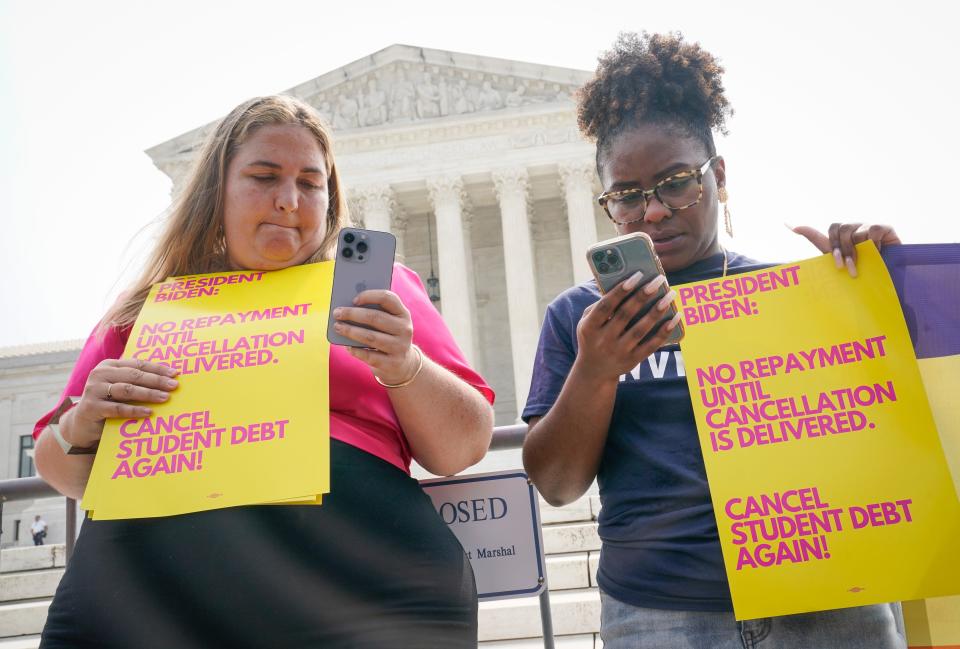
x=484, y=156
x=474, y=163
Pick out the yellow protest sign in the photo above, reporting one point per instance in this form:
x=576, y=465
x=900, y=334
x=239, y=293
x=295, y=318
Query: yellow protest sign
x=826, y=471
x=935, y=623
x=249, y=422
x=932, y=623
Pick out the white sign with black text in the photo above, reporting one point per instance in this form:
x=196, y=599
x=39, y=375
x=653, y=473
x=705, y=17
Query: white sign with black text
x=496, y=517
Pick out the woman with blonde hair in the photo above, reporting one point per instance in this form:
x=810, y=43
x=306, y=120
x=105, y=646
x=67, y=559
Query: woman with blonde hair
x=374, y=566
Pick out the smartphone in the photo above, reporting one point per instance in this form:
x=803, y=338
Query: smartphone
x=364, y=261
x=615, y=260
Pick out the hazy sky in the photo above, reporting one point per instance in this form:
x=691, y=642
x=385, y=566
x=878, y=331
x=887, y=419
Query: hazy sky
x=844, y=111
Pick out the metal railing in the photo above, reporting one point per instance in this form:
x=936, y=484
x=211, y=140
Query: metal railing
x=504, y=438
x=30, y=488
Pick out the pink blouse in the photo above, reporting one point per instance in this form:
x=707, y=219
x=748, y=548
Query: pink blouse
x=360, y=410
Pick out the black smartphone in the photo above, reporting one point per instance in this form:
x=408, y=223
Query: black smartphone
x=364, y=262
x=615, y=260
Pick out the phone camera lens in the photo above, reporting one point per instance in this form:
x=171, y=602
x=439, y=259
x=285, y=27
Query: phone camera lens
x=598, y=256
x=361, y=247
x=349, y=238
x=348, y=252
x=603, y=267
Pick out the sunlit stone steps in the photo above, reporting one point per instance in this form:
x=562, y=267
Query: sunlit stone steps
x=572, y=547
x=20, y=642
x=574, y=612
x=29, y=585
x=23, y=618
x=28, y=579
x=33, y=557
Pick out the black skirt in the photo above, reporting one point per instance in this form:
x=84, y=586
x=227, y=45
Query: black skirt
x=374, y=566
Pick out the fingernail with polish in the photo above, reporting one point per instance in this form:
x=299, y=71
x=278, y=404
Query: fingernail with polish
x=666, y=300
x=674, y=321
x=654, y=284
x=837, y=258
x=851, y=267
x=632, y=281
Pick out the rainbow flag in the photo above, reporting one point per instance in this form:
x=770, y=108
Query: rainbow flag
x=927, y=279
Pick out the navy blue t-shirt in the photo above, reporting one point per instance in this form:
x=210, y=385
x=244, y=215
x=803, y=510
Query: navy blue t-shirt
x=660, y=543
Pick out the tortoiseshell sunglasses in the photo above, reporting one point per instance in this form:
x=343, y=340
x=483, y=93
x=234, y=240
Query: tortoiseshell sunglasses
x=676, y=192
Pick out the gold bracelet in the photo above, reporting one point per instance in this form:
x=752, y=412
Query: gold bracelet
x=416, y=372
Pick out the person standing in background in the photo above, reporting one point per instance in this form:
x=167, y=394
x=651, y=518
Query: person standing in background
x=38, y=530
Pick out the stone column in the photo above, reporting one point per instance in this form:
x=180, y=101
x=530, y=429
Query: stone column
x=398, y=225
x=454, y=259
x=576, y=180
x=355, y=210
x=511, y=186
x=7, y=438
x=376, y=204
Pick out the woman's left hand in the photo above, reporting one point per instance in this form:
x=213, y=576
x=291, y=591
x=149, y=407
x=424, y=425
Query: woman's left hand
x=390, y=353
x=842, y=238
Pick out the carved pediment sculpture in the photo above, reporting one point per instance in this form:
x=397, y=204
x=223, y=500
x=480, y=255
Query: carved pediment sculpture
x=403, y=84
x=404, y=92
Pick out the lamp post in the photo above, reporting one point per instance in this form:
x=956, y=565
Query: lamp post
x=433, y=282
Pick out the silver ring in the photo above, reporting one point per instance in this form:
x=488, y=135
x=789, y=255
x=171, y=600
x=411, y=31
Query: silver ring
x=109, y=389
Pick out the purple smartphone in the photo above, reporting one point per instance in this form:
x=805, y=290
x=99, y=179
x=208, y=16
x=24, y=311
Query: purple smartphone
x=364, y=261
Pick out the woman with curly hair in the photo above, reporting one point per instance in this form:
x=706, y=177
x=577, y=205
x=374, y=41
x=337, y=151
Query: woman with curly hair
x=596, y=409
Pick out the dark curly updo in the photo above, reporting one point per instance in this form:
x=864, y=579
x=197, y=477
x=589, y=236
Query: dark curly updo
x=659, y=79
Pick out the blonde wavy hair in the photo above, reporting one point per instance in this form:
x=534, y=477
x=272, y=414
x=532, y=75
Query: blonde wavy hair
x=192, y=240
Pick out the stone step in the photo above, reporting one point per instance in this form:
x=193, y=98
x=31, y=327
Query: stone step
x=576, y=570
x=582, y=641
x=583, y=510
x=567, y=571
x=33, y=557
x=575, y=537
x=21, y=642
x=23, y=618
x=30, y=585
x=574, y=612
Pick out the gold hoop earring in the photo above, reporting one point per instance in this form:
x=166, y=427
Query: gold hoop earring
x=727, y=221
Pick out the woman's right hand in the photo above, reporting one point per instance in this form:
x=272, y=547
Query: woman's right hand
x=111, y=387
x=607, y=347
